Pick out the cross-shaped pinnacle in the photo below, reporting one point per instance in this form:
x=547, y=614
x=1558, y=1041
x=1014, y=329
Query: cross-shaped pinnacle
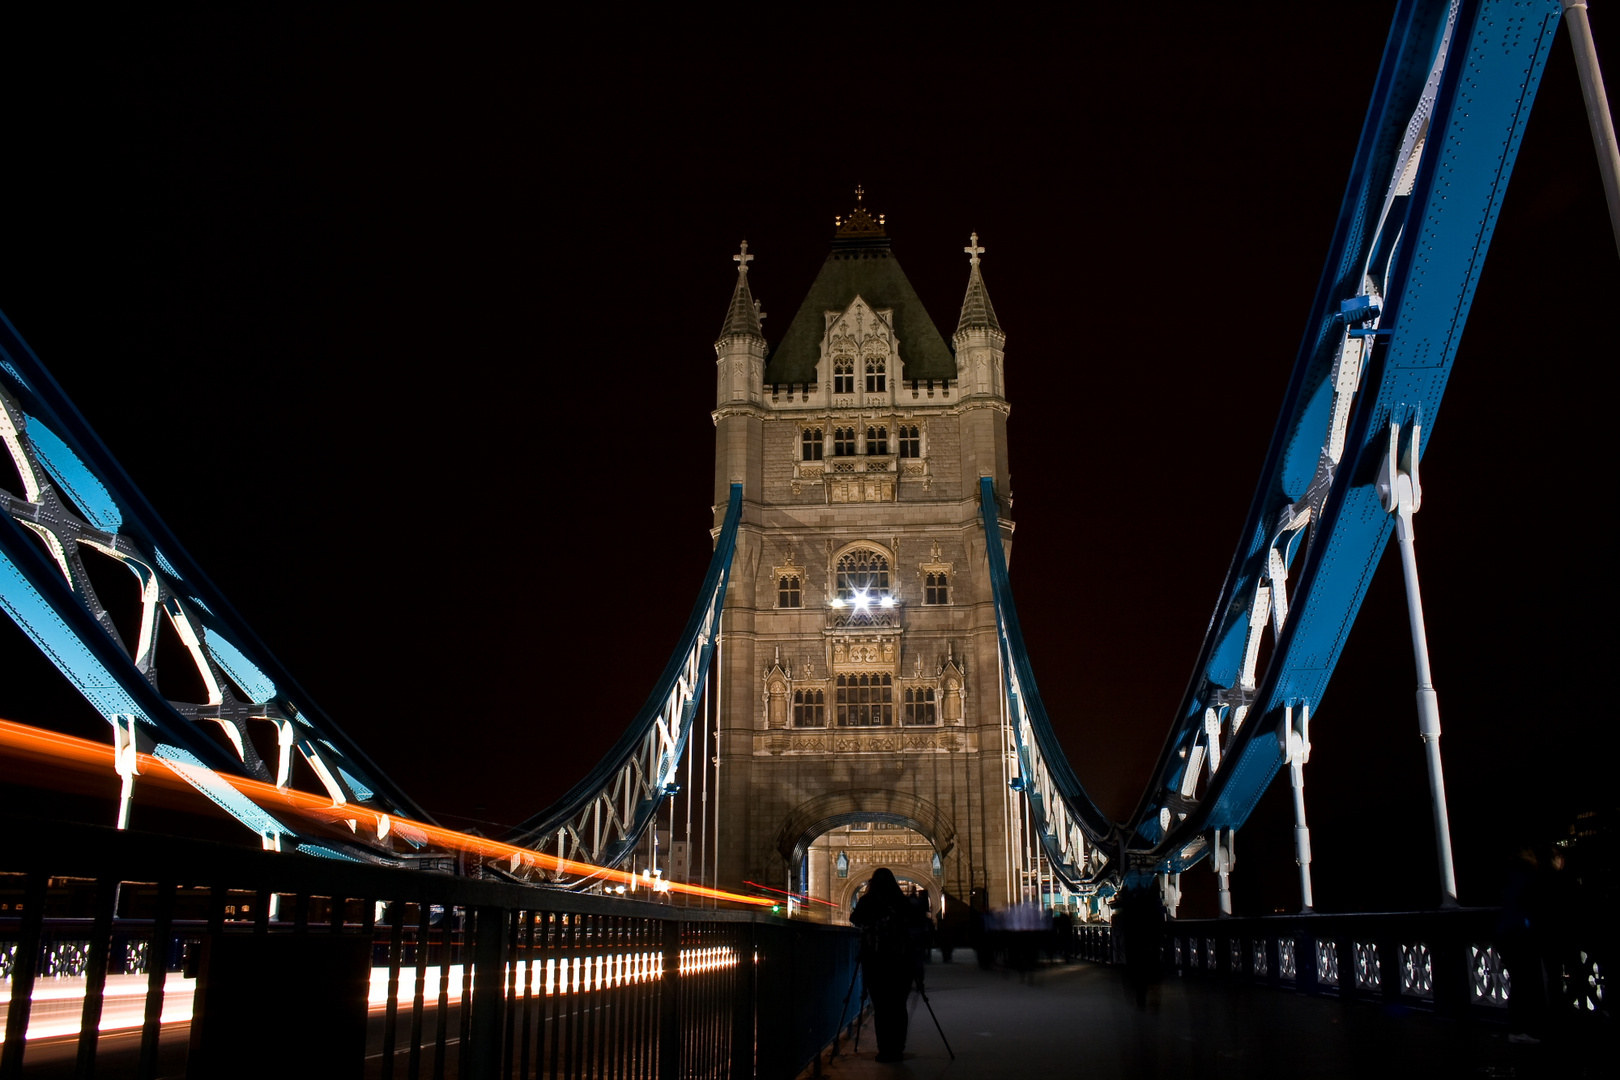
x=742, y=259
x=859, y=191
x=974, y=250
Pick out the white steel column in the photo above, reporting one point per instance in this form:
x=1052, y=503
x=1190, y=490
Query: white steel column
x=703, y=817
x=1296, y=740
x=1006, y=807
x=1402, y=494
x=1224, y=857
x=1597, y=107
x=719, y=712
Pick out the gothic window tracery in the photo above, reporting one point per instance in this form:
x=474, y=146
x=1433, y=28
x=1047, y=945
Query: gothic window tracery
x=876, y=375
x=919, y=705
x=864, y=571
x=877, y=440
x=844, y=442
x=843, y=375
x=788, y=592
x=936, y=588
x=809, y=708
x=812, y=444
x=910, y=441
x=865, y=700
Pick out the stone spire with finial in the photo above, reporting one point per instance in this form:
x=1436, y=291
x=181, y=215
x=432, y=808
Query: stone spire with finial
x=744, y=315
x=977, y=311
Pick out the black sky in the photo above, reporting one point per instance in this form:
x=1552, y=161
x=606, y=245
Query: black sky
x=404, y=324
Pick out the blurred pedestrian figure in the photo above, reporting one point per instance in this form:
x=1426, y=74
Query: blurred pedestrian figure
x=1062, y=937
x=980, y=931
x=1523, y=933
x=1139, y=920
x=890, y=960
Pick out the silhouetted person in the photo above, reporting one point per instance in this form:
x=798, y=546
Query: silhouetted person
x=1062, y=937
x=1139, y=920
x=1521, y=933
x=890, y=961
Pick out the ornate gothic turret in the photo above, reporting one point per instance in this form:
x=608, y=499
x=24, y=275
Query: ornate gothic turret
x=980, y=344
x=739, y=391
x=979, y=338
x=740, y=348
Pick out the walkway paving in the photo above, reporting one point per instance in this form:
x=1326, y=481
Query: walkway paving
x=1074, y=1020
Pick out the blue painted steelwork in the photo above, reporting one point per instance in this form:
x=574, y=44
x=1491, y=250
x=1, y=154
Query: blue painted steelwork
x=1453, y=95
x=602, y=817
x=1075, y=835
x=77, y=496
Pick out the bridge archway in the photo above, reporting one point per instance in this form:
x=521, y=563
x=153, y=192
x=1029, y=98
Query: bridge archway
x=815, y=816
x=849, y=889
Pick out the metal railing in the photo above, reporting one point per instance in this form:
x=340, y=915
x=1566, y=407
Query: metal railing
x=1446, y=961
x=275, y=959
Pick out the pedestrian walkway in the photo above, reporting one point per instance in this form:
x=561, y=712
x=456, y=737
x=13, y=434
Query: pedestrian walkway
x=1074, y=1020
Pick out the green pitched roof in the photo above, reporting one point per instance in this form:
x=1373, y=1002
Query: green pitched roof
x=861, y=267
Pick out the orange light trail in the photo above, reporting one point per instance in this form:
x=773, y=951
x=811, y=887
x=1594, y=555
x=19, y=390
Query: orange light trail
x=784, y=892
x=85, y=754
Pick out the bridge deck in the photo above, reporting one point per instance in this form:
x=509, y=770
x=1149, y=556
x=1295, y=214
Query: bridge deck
x=1074, y=1019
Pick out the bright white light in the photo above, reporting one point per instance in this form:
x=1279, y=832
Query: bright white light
x=887, y=601
x=835, y=602
x=861, y=599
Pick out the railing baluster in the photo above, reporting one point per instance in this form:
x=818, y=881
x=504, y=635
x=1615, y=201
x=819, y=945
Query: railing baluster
x=95, y=984
x=514, y=926
x=556, y=1018
x=396, y=943
x=23, y=974
x=441, y=1027
x=489, y=947
x=424, y=914
x=157, y=975
x=465, y=953
x=526, y=958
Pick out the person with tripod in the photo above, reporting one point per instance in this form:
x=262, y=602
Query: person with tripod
x=890, y=958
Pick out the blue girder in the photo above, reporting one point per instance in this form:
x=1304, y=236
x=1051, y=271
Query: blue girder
x=1453, y=95
x=1076, y=837
x=79, y=497
x=602, y=817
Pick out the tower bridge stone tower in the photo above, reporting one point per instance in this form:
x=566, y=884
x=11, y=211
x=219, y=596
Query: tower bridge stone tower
x=860, y=716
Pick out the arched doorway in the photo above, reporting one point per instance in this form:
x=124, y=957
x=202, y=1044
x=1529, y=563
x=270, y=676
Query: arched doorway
x=834, y=842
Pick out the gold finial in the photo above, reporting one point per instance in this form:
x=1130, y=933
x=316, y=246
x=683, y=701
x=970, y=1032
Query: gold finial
x=742, y=259
x=859, y=191
x=974, y=250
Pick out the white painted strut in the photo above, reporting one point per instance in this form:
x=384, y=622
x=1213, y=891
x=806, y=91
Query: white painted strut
x=1295, y=736
x=1224, y=857
x=126, y=761
x=1401, y=494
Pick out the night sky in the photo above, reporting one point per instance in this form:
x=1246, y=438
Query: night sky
x=404, y=324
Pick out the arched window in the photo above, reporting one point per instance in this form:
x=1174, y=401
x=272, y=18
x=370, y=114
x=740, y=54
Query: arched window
x=865, y=700
x=910, y=441
x=876, y=376
x=843, y=375
x=862, y=571
x=920, y=705
x=877, y=440
x=812, y=440
x=843, y=442
x=787, y=591
x=936, y=588
x=809, y=708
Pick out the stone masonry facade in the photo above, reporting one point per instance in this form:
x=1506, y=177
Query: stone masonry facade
x=859, y=678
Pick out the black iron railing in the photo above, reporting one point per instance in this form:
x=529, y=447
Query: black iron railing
x=1447, y=961
x=284, y=960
